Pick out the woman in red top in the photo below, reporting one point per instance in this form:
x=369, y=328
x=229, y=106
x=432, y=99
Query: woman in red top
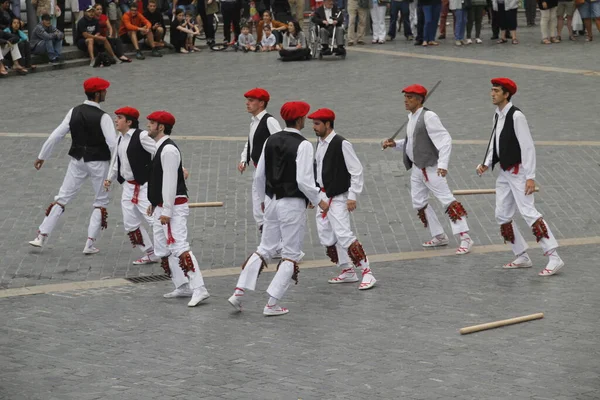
x=106, y=30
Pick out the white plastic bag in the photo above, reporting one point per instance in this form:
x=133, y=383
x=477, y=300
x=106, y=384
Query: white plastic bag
x=577, y=21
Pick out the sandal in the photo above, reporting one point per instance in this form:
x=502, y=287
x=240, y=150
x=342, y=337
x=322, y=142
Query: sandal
x=555, y=40
x=546, y=41
x=125, y=59
x=589, y=39
x=515, y=41
x=572, y=38
x=434, y=43
x=502, y=41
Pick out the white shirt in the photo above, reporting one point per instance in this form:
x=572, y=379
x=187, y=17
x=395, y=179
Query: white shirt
x=272, y=125
x=437, y=133
x=328, y=12
x=523, y=136
x=170, y=158
x=304, y=171
x=126, y=172
x=352, y=164
x=268, y=41
x=108, y=130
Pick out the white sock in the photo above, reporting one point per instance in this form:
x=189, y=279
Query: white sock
x=522, y=257
x=552, y=253
x=465, y=236
x=272, y=301
x=441, y=236
x=185, y=286
x=89, y=243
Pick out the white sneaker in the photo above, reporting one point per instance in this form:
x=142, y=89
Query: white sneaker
x=465, y=246
x=469, y=41
x=478, y=41
x=236, y=302
x=554, y=265
x=39, y=241
x=368, y=280
x=271, y=311
x=90, y=250
x=437, y=241
x=348, y=275
x=147, y=259
x=523, y=261
x=458, y=43
x=179, y=292
x=199, y=295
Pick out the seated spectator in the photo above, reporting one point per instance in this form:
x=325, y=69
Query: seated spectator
x=8, y=44
x=88, y=38
x=268, y=42
x=179, y=32
x=46, y=39
x=48, y=7
x=328, y=17
x=24, y=46
x=135, y=27
x=6, y=15
x=246, y=41
x=157, y=21
x=106, y=31
x=294, y=46
x=191, y=37
x=277, y=28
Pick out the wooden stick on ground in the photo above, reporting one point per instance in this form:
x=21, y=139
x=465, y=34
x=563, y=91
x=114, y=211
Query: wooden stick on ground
x=497, y=324
x=480, y=191
x=208, y=204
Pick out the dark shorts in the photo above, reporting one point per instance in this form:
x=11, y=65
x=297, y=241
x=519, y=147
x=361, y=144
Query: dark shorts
x=81, y=45
x=126, y=39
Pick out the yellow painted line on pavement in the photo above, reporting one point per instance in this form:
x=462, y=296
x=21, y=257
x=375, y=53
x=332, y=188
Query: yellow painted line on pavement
x=354, y=140
x=234, y=271
x=543, y=68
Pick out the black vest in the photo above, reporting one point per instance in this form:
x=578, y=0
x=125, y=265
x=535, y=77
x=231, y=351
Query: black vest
x=139, y=159
x=88, y=141
x=510, y=151
x=260, y=137
x=281, y=151
x=155, y=181
x=335, y=175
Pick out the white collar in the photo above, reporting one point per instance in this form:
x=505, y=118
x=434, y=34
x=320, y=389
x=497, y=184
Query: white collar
x=293, y=130
x=504, y=111
x=162, y=139
x=328, y=138
x=91, y=103
x=416, y=113
x=259, y=116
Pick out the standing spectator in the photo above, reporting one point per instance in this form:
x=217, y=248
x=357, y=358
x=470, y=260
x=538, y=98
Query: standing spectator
x=111, y=11
x=431, y=14
x=89, y=40
x=589, y=10
x=378, y=8
x=230, y=9
x=48, y=7
x=16, y=8
x=23, y=44
x=358, y=8
x=548, y=11
x=294, y=47
x=6, y=15
x=565, y=7
x=530, y=11
x=475, y=16
x=135, y=27
x=106, y=31
x=460, y=20
x=8, y=44
x=46, y=39
x=420, y=24
x=403, y=7
x=185, y=5
x=206, y=10
x=507, y=18
x=297, y=10
x=282, y=10
x=444, y=18
x=276, y=27
x=157, y=21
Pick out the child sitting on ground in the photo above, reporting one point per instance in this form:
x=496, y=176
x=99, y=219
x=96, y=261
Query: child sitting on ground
x=246, y=41
x=269, y=41
x=190, y=24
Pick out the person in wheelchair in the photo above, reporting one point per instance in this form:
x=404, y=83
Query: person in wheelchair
x=327, y=17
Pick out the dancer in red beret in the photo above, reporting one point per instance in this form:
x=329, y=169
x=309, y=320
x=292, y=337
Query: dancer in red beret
x=167, y=194
x=512, y=146
x=130, y=165
x=262, y=126
x=285, y=175
x=427, y=146
x=340, y=178
x=93, y=139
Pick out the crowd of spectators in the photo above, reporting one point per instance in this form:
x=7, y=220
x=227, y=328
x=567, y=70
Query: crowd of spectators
x=101, y=28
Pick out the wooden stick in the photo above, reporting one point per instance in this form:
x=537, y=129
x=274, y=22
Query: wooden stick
x=209, y=204
x=497, y=324
x=480, y=191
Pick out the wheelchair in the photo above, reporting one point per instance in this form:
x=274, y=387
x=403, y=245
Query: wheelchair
x=314, y=42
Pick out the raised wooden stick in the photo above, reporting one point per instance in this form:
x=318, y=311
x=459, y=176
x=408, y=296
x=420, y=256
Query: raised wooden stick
x=209, y=204
x=480, y=191
x=497, y=324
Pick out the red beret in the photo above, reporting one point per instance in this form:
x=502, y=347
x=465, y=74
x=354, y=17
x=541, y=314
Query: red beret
x=129, y=112
x=323, y=114
x=292, y=110
x=508, y=84
x=95, y=84
x=162, y=117
x=258, y=94
x=415, y=89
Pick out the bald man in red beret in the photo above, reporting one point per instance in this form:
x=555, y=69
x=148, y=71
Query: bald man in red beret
x=427, y=147
x=285, y=175
x=93, y=138
x=167, y=193
x=262, y=126
x=130, y=165
x=512, y=146
x=340, y=179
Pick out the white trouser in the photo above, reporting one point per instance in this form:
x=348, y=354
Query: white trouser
x=412, y=8
x=256, y=209
x=14, y=52
x=77, y=172
x=284, y=224
x=510, y=196
x=335, y=228
x=134, y=214
x=420, y=187
x=178, y=231
x=378, y=18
